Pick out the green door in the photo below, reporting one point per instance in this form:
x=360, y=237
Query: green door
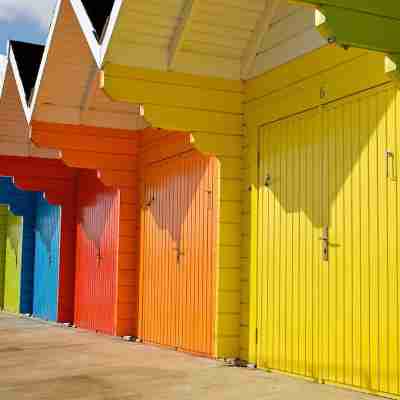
x=13, y=263
x=3, y=231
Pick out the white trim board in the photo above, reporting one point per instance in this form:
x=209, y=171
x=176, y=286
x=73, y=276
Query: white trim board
x=42, y=68
x=99, y=50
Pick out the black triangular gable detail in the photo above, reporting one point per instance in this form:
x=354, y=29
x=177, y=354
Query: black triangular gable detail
x=28, y=57
x=98, y=13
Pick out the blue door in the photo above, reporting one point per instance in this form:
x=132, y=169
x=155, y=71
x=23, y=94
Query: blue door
x=47, y=259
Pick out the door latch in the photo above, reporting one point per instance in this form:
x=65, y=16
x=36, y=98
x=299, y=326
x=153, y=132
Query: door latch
x=268, y=180
x=389, y=155
x=149, y=203
x=179, y=253
x=325, y=243
x=99, y=257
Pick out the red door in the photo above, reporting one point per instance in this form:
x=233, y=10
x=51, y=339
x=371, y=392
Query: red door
x=178, y=253
x=97, y=255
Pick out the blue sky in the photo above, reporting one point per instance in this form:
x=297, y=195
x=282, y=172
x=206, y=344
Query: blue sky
x=26, y=20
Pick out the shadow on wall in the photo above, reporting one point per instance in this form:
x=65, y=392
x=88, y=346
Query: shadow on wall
x=96, y=207
x=47, y=225
x=22, y=204
x=328, y=149
x=171, y=189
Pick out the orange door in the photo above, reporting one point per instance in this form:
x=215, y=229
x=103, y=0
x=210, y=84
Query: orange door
x=178, y=263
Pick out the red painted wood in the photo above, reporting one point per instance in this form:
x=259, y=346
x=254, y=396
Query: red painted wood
x=58, y=182
x=113, y=153
x=97, y=255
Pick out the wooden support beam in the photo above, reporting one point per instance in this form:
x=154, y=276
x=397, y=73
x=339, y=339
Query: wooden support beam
x=262, y=27
x=392, y=67
x=94, y=83
x=180, y=31
x=350, y=28
x=384, y=8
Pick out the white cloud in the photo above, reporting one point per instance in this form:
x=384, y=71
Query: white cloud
x=39, y=11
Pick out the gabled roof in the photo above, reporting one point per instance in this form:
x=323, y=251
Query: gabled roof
x=14, y=127
x=67, y=89
x=28, y=57
x=232, y=39
x=98, y=13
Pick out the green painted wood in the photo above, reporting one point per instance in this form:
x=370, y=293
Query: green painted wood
x=366, y=24
x=3, y=232
x=13, y=264
x=385, y=8
x=355, y=29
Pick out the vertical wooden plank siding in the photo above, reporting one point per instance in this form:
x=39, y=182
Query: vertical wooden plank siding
x=211, y=111
x=113, y=154
x=22, y=204
x=321, y=76
x=58, y=182
x=47, y=260
x=97, y=255
x=333, y=167
x=178, y=244
x=362, y=316
x=13, y=265
x=3, y=243
x=289, y=225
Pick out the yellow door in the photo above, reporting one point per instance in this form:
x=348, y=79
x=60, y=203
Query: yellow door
x=359, y=284
x=329, y=256
x=290, y=221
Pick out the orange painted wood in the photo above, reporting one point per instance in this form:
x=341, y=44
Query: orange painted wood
x=178, y=252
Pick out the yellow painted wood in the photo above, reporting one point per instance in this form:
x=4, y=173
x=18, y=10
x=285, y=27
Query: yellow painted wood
x=286, y=302
x=337, y=320
x=13, y=264
x=279, y=96
x=290, y=89
x=3, y=238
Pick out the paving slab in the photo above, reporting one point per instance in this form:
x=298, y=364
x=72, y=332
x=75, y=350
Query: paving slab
x=39, y=361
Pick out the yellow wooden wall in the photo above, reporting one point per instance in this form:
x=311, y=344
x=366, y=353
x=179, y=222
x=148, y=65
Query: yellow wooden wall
x=211, y=110
x=320, y=77
x=225, y=119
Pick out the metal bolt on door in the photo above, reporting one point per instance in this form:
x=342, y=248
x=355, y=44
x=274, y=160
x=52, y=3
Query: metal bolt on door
x=178, y=253
x=329, y=273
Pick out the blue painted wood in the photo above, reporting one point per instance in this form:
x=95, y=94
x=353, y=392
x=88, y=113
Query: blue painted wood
x=47, y=259
x=23, y=204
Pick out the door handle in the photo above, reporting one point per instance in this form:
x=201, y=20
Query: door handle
x=179, y=254
x=325, y=243
x=389, y=155
x=99, y=257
